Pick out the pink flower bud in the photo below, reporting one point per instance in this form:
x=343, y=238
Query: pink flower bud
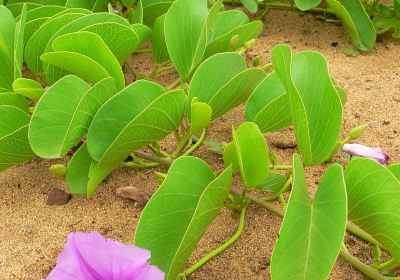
x=376, y=154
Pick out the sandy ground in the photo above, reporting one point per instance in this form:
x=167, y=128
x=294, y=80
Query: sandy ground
x=32, y=234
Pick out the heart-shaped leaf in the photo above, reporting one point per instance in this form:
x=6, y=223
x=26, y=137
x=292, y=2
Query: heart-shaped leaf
x=356, y=21
x=315, y=104
x=374, y=199
x=268, y=106
x=140, y=114
x=86, y=44
x=171, y=231
x=223, y=82
x=312, y=232
x=83, y=175
x=64, y=113
x=14, y=144
x=187, y=27
x=28, y=88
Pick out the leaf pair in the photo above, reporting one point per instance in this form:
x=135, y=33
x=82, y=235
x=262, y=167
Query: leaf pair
x=190, y=31
x=180, y=211
x=315, y=104
x=102, y=42
x=12, y=47
x=223, y=81
x=374, y=200
x=356, y=21
x=312, y=232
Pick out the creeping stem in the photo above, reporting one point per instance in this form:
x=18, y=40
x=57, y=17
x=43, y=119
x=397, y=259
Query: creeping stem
x=197, y=144
x=344, y=254
x=356, y=263
x=218, y=250
x=279, y=5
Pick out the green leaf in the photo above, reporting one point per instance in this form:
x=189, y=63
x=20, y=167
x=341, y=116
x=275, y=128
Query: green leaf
x=250, y=5
x=374, y=194
x=274, y=183
x=140, y=114
x=305, y=5
x=7, y=33
x=19, y=44
x=312, y=232
x=14, y=100
x=200, y=116
x=227, y=21
x=64, y=113
x=223, y=82
x=137, y=15
x=386, y=19
x=36, y=45
x=76, y=63
x=356, y=21
x=394, y=168
x=152, y=9
x=144, y=33
x=268, y=106
x=83, y=174
x=37, y=17
x=122, y=40
x=243, y=34
x=315, y=104
x=86, y=44
x=252, y=154
x=171, y=231
x=186, y=33
x=28, y=88
x=14, y=144
x=159, y=47
x=16, y=8
x=230, y=157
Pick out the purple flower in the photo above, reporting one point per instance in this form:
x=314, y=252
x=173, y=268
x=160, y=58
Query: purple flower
x=90, y=256
x=376, y=154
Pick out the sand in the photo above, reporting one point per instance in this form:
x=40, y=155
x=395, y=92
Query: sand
x=32, y=234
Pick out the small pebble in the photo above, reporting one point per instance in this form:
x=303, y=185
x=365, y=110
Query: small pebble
x=57, y=197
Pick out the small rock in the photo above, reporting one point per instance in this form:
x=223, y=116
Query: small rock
x=57, y=197
x=386, y=122
x=334, y=44
x=140, y=196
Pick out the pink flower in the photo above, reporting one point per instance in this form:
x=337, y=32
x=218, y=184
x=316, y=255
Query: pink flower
x=376, y=154
x=90, y=256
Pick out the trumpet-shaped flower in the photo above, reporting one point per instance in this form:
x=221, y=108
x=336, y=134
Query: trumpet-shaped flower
x=376, y=154
x=90, y=256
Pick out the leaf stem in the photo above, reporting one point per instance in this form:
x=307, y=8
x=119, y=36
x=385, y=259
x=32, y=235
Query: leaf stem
x=220, y=249
x=281, y=167
x=174, y=84
x=389, y=265
x=132, y=164
x=197, y=144
x=160, y=160
x=361, y=234
x=181, y=145
x=357, y=264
